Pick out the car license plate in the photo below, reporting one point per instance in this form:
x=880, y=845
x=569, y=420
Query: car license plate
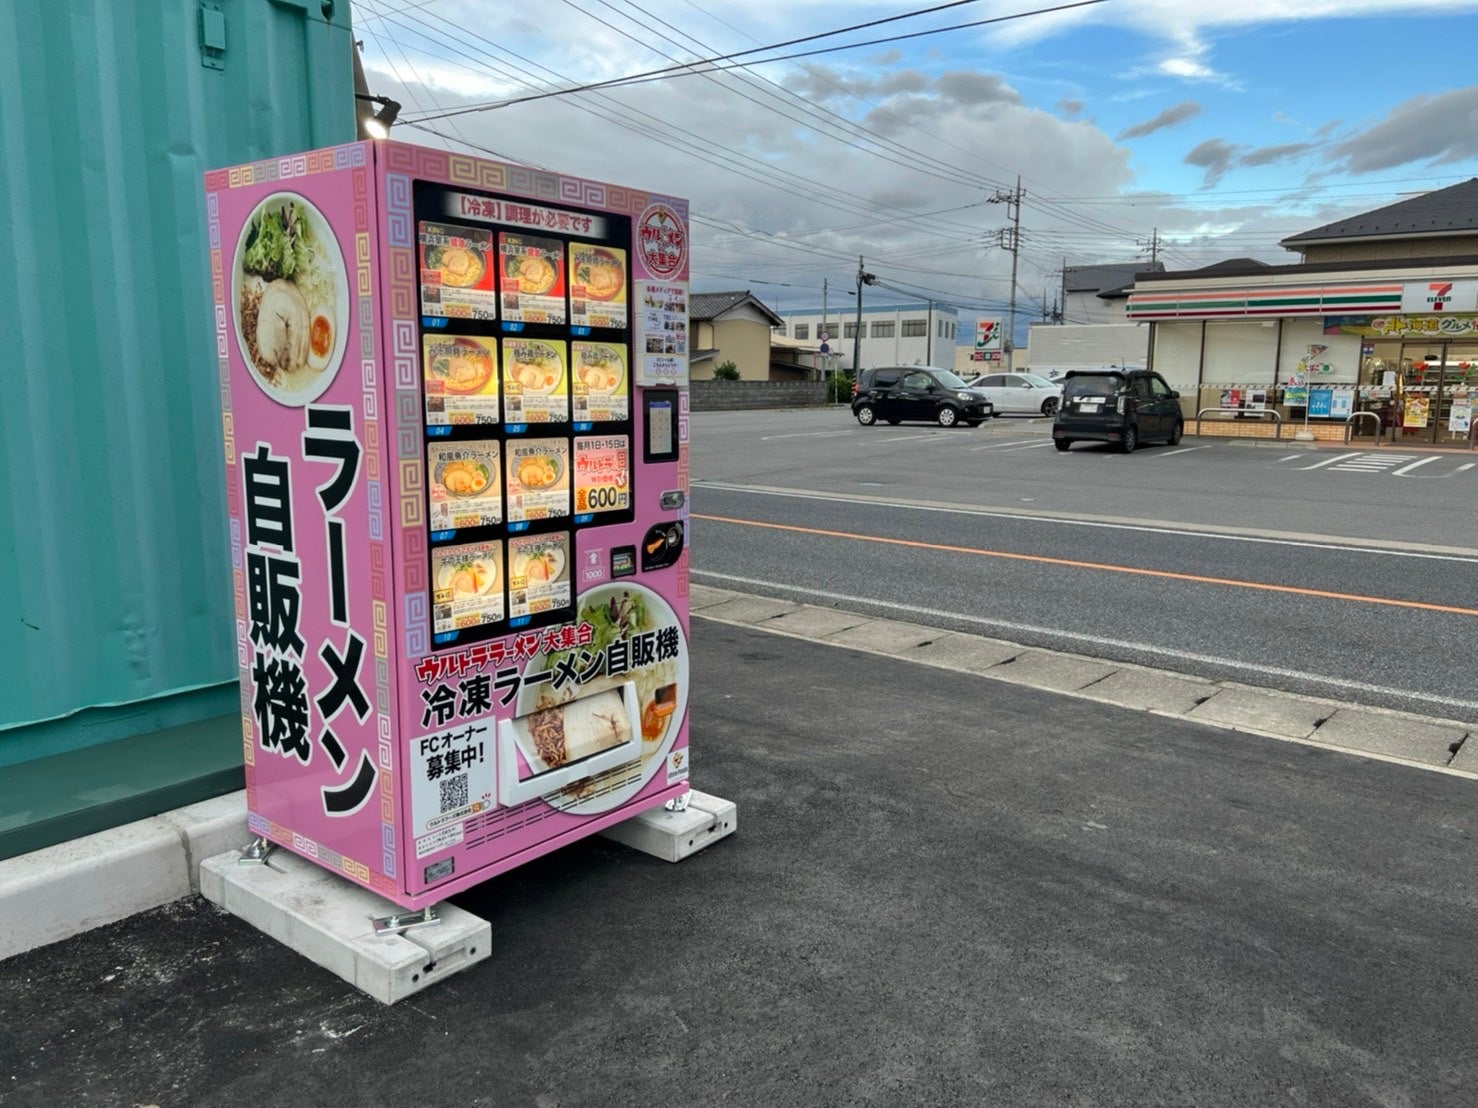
x=1089, y=405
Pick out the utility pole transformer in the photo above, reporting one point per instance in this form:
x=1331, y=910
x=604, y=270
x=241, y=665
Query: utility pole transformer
x=863, y=278
x=1012, y=200
x=1154, y=245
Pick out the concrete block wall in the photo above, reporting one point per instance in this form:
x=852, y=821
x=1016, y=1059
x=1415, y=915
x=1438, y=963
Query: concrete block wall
x=725, y=396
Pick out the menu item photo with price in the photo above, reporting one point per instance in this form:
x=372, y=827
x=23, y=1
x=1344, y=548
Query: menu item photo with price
x=533, y=279
x=538, y=479
x=597, y=286
x=466, y=484
x=602, y=474
x=538, y=574
x=598, y=375
x=461, y=379
x=457, y=275
x=467, y=586
x=535, y=381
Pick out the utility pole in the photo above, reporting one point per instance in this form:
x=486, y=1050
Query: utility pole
x=863, y=278
x=1154, y=245
x=1012, y=200
x=826, y=358
x=929, y=335
x=1061, y=312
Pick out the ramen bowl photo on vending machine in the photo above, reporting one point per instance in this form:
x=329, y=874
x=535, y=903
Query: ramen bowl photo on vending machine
x=455, y=416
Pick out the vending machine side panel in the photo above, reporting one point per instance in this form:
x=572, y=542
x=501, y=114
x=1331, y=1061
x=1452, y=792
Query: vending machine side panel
x=294, y=265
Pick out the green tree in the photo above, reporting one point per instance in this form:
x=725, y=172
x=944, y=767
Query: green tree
x=726, y=371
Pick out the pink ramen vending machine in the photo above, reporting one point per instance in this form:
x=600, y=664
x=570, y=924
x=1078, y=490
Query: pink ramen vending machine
x=455, y=415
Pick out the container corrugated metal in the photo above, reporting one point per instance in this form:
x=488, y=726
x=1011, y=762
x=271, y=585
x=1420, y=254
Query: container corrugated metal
x=114, y=571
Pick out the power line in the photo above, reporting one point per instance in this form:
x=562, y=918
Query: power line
x=692, y=67
x=809, y=188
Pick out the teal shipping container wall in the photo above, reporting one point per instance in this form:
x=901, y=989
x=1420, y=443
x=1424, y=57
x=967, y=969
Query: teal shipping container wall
x=116, y=615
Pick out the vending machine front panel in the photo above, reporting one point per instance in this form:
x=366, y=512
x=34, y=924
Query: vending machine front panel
x=435, y=371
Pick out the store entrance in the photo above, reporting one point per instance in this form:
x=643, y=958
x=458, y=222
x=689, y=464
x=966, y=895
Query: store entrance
x=1431, y=384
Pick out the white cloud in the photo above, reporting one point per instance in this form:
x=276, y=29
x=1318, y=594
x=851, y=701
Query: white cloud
x=1186, y=67
x=786, y=191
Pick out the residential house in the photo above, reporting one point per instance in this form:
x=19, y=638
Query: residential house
x=731, y=327
x=1096, y=293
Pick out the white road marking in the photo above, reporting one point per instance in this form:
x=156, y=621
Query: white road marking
x=1028, y=515
x=1404, y=470
x=809, y=434
x=1373, y=463
x=1182, y=450
x=999, y=445
x=1332, y=461
x=1466, y=465
x=1100, y=641
x=1288, y=458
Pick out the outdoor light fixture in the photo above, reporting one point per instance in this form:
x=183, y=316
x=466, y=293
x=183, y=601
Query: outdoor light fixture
x=378, y=125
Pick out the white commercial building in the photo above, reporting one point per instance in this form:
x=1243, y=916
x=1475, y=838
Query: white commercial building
x=892, y=334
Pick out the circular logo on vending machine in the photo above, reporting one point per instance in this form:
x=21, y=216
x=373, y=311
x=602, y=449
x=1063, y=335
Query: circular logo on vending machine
x=663, y=241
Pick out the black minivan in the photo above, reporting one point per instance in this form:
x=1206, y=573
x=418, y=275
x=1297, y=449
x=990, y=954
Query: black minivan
x=1124, y=406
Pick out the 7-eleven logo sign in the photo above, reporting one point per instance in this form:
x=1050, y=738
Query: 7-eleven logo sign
x=987, y=334
x=1445, y=297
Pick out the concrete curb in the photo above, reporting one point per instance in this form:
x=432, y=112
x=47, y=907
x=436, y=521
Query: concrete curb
x=63, y=890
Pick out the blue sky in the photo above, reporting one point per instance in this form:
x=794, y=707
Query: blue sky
x=1219, y=125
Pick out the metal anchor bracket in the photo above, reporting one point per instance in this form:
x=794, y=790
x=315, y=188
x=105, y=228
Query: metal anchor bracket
x=401, y=922
x=256, y=854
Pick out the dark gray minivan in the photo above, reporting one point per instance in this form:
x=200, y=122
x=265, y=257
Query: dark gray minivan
x=1124, y=406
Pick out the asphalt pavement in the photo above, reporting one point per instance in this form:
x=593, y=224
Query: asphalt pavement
x=946, y=888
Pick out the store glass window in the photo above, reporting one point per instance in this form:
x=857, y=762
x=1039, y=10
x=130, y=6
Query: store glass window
x=882, y=329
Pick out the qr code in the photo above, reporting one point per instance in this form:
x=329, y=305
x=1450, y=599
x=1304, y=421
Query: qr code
x=453, y=792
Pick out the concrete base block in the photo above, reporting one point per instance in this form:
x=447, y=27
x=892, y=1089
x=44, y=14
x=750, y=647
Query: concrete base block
x=673, y=836
x=328, y=920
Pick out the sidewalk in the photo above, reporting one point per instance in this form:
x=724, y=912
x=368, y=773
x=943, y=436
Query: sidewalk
x=945, y=889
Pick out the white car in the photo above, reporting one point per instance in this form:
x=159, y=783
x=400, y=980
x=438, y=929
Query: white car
x=1020, y=393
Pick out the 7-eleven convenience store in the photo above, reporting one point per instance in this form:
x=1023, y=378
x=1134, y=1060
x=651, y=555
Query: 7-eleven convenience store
x=1381, y=317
